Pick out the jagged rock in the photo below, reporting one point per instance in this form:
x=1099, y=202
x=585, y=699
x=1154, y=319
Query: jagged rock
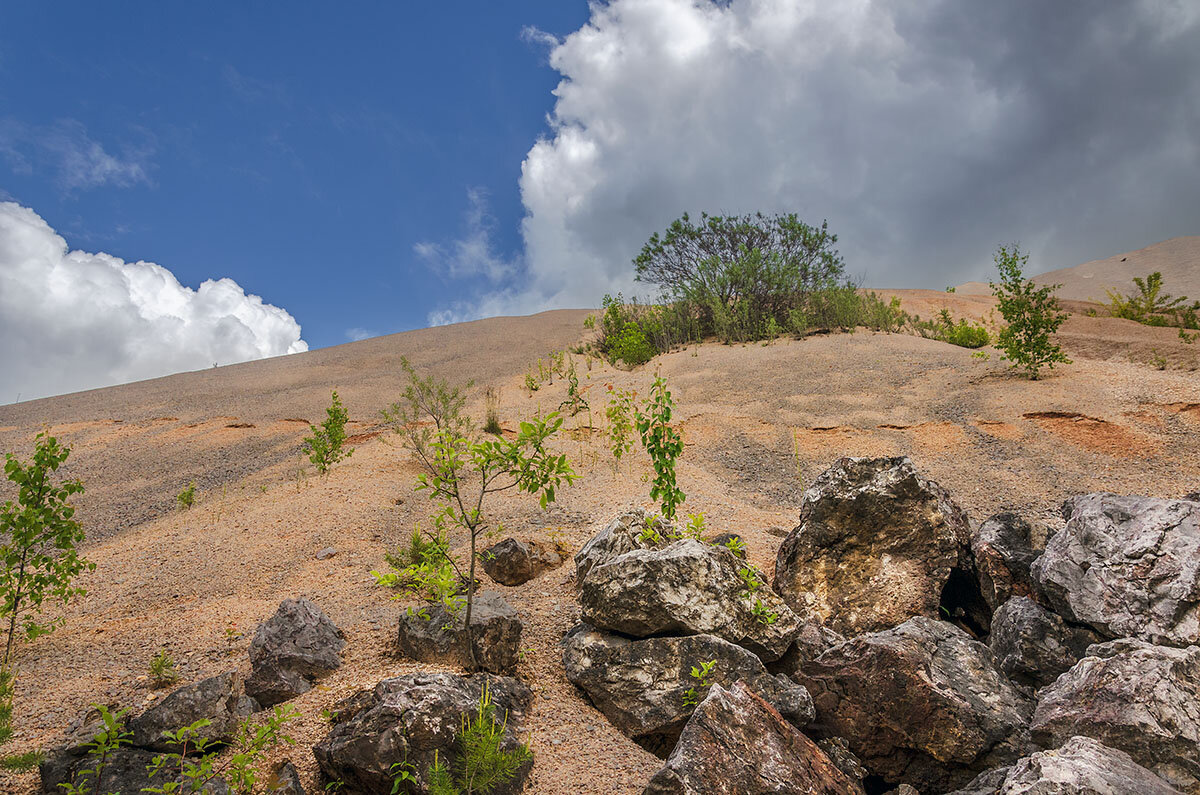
x=513, y=562
x=125, y=773
x=812, y=640
x=903, y=789
x=409, y=719
x=641, y=685
x=220, y=699
x=1133, y=696
x=737, y=744
x=1081, y=766
x=1194, y=496
x=725, y=539
x=290, y=650
x=1127, y=566
x=442, y=637
x=920, y=704
x=686, y=588
x=876, y=544
x=619, y=536
x=285, y=781
x=1004, y=547
x=1032, y=646
x=838, y=751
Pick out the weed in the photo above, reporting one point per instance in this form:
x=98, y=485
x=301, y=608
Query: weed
x=112, y=737
x=650, y=535
x=20, y=763
x=695, y=526
x=1188, y=339
x=962, y=333
x=162, y=670
x=763, y=613
x=531, y=383
x=620, y=413
x=663, y=444
x=751, y=579
x=491, y=399
x=187, y=497
x=1157, y=360
x=703, y=676
x=736, y=545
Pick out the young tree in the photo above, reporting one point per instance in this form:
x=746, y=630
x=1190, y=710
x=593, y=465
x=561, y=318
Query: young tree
x=461, y=470
x=663, y=444
x=1032, y=313
x=325, y=445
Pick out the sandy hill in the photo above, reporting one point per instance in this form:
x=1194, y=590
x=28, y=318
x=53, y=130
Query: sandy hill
x=759, y=422
x=1178, y=259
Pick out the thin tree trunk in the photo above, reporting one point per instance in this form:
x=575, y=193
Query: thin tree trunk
x=473, y=663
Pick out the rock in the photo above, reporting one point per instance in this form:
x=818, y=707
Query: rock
x=737, y=744
x=285, y=781
x=326, y=553
x=442, y=637
x=876, y=545
x=838, y=751
x=812, y=640
x=1004, y=547
x=290, y=650
x=641, y=685
x=1194, y=496
x=1133, y=696
x=619, y=536
x=125, y=773
x=686, y=588
x=220, y=699
x=1032, y=646
x=1127, y=566
x=903, y=789
x=409, y=719
x=513, y=562
x=1082, y=766
x=920, y=704
x=726, y=539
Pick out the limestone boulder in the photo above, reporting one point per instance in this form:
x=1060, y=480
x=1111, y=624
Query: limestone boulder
x=1128, y=567
x=876, y=545
x=515, y=562
x=737, y=744
x=688, y=588
x=920, y=704
x=1032, y=646
x=290, y=650
x=434, y=634
x=221, y=700
x=1004, y=547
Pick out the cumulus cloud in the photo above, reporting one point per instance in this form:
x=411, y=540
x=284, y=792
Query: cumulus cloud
x=925, y=132
x=73, y=320
x=78, y=161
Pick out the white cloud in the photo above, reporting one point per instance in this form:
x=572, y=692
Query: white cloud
x=357, y=334
x=72, y=320
x=472, y=254
x=925, y=132
x=65, y=147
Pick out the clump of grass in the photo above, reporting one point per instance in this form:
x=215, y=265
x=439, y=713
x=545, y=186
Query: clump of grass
x=20, y=763
x=491, y=398
x=187, y=497
x=162, y=670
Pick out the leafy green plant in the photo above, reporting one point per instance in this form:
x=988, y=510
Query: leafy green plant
x=162, y=670
x=735, y=545
x=575, y=402
x=197, y=762
x=620, y=413
x=39, y=537
x=482, y=764
x=1032, y=313
x=110, y=738
x=703, y=676
x=695, y=527
x=1188, y=339
x=762, y=613
x=1151, y=306
x=650, y=535
x=963, y=333
x=491, y=399
x=531, y=383
x=426, y=570
x=461, y=470
x=663, y=444
x=324, y=447
x=751, y=579
x=186, y=498
x=631, y=346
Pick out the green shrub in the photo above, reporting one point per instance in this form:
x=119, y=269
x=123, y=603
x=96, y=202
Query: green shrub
x=620, y=423
x=962, y=333
x=162, y=670
x=703, y=675
x=1151, y=306
x=630, y=346
x=1032, y=313
x=324, y=447
x=186, y=498
x=492, y=421
x=20, y=763
x=663, y=444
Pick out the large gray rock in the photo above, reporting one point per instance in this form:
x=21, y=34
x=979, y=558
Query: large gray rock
x=1032, y=646
x=641, y=685
x=1004, y=547
x=409, y=719
x=686, y=588
x=290, y=650
x=514, y=562
x=737, y=744
x=921, y=704
x=220, y=699
x=1130, y=695
x=1081, y=766
x=1128, y=566
x=876, y=545
x=434, y=634
x=622, y=534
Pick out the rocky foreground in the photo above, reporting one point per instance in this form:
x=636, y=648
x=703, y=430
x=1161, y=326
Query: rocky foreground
x=901, y=648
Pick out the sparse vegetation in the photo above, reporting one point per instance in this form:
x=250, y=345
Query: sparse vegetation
x=325, y=446
x=620, y=412
x=39, y=540
x=1032, y=313
x=663, y=444
x=186, y=498
x=426, y=570
x=110, y=738
x=483, y=764
x=1152, y=307
x=703, y=676
x=491, y=424
x=963, y=333
x=19, y=763
x=162, y=670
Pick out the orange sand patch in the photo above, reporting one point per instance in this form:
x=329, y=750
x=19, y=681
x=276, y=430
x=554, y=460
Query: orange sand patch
x=1094, y=433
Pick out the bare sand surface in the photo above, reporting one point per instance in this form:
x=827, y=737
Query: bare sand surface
x=759, y=422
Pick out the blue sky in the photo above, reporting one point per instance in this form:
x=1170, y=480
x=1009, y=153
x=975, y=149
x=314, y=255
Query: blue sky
x=183, y=184
x=303, y=154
